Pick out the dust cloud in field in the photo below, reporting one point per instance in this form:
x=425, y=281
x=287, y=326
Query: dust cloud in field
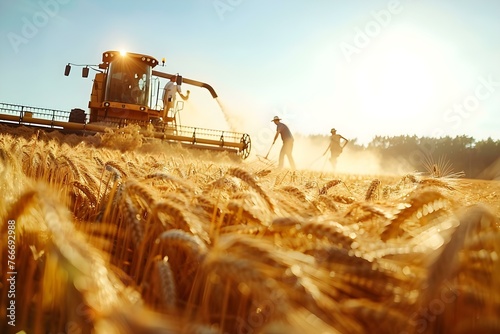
x=308, y=154
x=492, y=172
x=240, y=114
x=233, y=119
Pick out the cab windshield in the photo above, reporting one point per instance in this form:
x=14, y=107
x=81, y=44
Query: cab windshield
x=128, y=81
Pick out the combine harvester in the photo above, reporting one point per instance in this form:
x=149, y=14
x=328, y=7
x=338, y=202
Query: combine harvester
x=127, y=90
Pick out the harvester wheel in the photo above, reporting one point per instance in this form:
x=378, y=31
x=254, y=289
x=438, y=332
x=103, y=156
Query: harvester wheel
x=247, y=146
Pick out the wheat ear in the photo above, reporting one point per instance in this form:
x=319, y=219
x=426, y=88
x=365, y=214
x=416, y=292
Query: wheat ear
x=167, y=281
x=250, y=180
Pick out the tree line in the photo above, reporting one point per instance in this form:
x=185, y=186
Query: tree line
x=449, y=155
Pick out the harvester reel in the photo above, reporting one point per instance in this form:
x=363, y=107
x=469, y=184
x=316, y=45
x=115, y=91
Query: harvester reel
x=247, y=146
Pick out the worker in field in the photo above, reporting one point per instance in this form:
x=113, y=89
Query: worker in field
x=337, y=144
x=287, y=148
x=170, y=93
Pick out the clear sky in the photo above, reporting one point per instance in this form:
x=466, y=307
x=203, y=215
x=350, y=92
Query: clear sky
x=429, y=68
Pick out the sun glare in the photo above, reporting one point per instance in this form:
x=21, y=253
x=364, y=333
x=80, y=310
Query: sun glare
x=395, y=81
x=399, y=77
x=396, y=85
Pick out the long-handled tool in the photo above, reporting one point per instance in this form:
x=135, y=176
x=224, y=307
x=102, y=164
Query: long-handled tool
x=269, y=151
x=316, y=160
x=265, y=158
x=323, y=167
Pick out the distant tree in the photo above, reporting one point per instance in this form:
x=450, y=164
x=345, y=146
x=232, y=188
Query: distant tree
x=461, y=153
x=379, y=142
x=488, y=151
x=354, y=146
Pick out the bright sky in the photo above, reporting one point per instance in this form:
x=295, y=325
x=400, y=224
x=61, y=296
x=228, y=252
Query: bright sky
x=367, y=68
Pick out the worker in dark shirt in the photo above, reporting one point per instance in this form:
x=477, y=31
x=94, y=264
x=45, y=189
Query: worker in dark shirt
x=287, y=138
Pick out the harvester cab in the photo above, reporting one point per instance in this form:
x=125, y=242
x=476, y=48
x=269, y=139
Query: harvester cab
x=126, y=90
x=121, y=91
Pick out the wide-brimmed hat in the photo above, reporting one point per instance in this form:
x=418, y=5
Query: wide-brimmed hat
x=276, y=118
x=333, y=130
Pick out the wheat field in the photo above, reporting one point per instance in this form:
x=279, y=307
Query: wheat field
x=119, y=234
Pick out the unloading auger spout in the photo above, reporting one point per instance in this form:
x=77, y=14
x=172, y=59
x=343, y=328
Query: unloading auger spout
x=187, y=81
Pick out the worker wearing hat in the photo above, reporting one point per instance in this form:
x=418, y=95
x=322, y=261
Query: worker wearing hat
x=337, y=144
x=287, y=138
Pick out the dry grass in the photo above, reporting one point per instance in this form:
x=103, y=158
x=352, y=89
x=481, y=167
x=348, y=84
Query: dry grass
x=163, y=240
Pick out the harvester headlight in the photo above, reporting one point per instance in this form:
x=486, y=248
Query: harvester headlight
x=142, y=108
x=106, y=104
